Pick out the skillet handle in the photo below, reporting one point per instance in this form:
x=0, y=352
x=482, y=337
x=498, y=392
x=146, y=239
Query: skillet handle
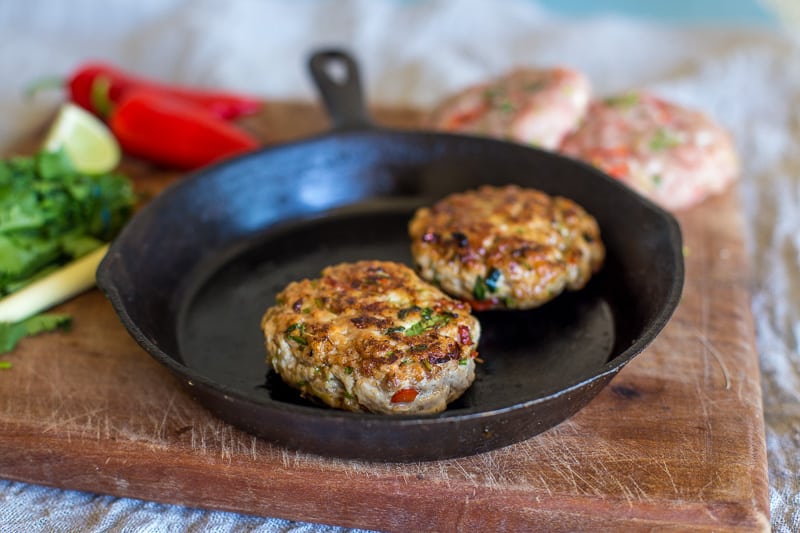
x=336, y=75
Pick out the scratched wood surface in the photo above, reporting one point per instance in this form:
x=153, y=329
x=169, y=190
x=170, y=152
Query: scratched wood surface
x=675, y=443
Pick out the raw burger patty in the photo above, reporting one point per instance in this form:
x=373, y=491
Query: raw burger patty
x=505, y=247
x=674, y=156
x=530, y=106
x=372, y=336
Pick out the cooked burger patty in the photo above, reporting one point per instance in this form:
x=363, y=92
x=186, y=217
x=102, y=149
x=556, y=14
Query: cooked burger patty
x=372, y=336
x=673, y=155
x=505, y=247
x=530, y=106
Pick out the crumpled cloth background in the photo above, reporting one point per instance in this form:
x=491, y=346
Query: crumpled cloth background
x=413, y=53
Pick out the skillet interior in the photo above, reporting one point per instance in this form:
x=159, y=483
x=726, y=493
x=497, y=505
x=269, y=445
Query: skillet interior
x=192, y=273
x=526, y=353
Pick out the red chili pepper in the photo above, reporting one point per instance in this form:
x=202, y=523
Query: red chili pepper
x=617, y=169
x=174, y=133
x=465, y=117
x=483, y=305
x=464, y=335
x=405, y=396
x=85, y=81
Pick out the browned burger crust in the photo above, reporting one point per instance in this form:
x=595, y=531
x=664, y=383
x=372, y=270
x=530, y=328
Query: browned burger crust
x=372, y=336
x=506, y=247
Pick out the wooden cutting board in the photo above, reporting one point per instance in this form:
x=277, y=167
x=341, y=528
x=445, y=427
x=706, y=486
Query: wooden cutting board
x=675, y=443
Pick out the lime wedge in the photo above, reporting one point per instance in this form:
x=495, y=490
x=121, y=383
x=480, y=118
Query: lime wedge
x=89, y=144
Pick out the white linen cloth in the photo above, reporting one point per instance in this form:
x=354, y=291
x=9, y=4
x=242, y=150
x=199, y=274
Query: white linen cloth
x=413, y=53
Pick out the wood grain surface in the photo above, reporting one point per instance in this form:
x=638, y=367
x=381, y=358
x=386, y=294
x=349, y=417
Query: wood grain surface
x=675, y=443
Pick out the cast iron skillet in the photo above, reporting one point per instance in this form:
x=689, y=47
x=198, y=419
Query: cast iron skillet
x=194, y=270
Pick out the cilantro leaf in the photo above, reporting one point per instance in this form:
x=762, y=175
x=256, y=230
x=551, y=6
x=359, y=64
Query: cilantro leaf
x=480, y=288
x=12, y=332
x=623, y=101
x=664, y=139
x=429, y=321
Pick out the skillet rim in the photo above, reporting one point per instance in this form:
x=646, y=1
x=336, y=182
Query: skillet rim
x=191, y=377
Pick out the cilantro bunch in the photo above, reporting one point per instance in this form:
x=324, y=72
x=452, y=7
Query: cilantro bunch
x=50, y=215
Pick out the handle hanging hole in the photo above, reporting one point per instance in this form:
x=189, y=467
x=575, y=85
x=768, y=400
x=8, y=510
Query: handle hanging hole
x=337, y=71
x=336, y=75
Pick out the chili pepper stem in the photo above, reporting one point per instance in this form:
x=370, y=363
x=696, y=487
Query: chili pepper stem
x=101, y=96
